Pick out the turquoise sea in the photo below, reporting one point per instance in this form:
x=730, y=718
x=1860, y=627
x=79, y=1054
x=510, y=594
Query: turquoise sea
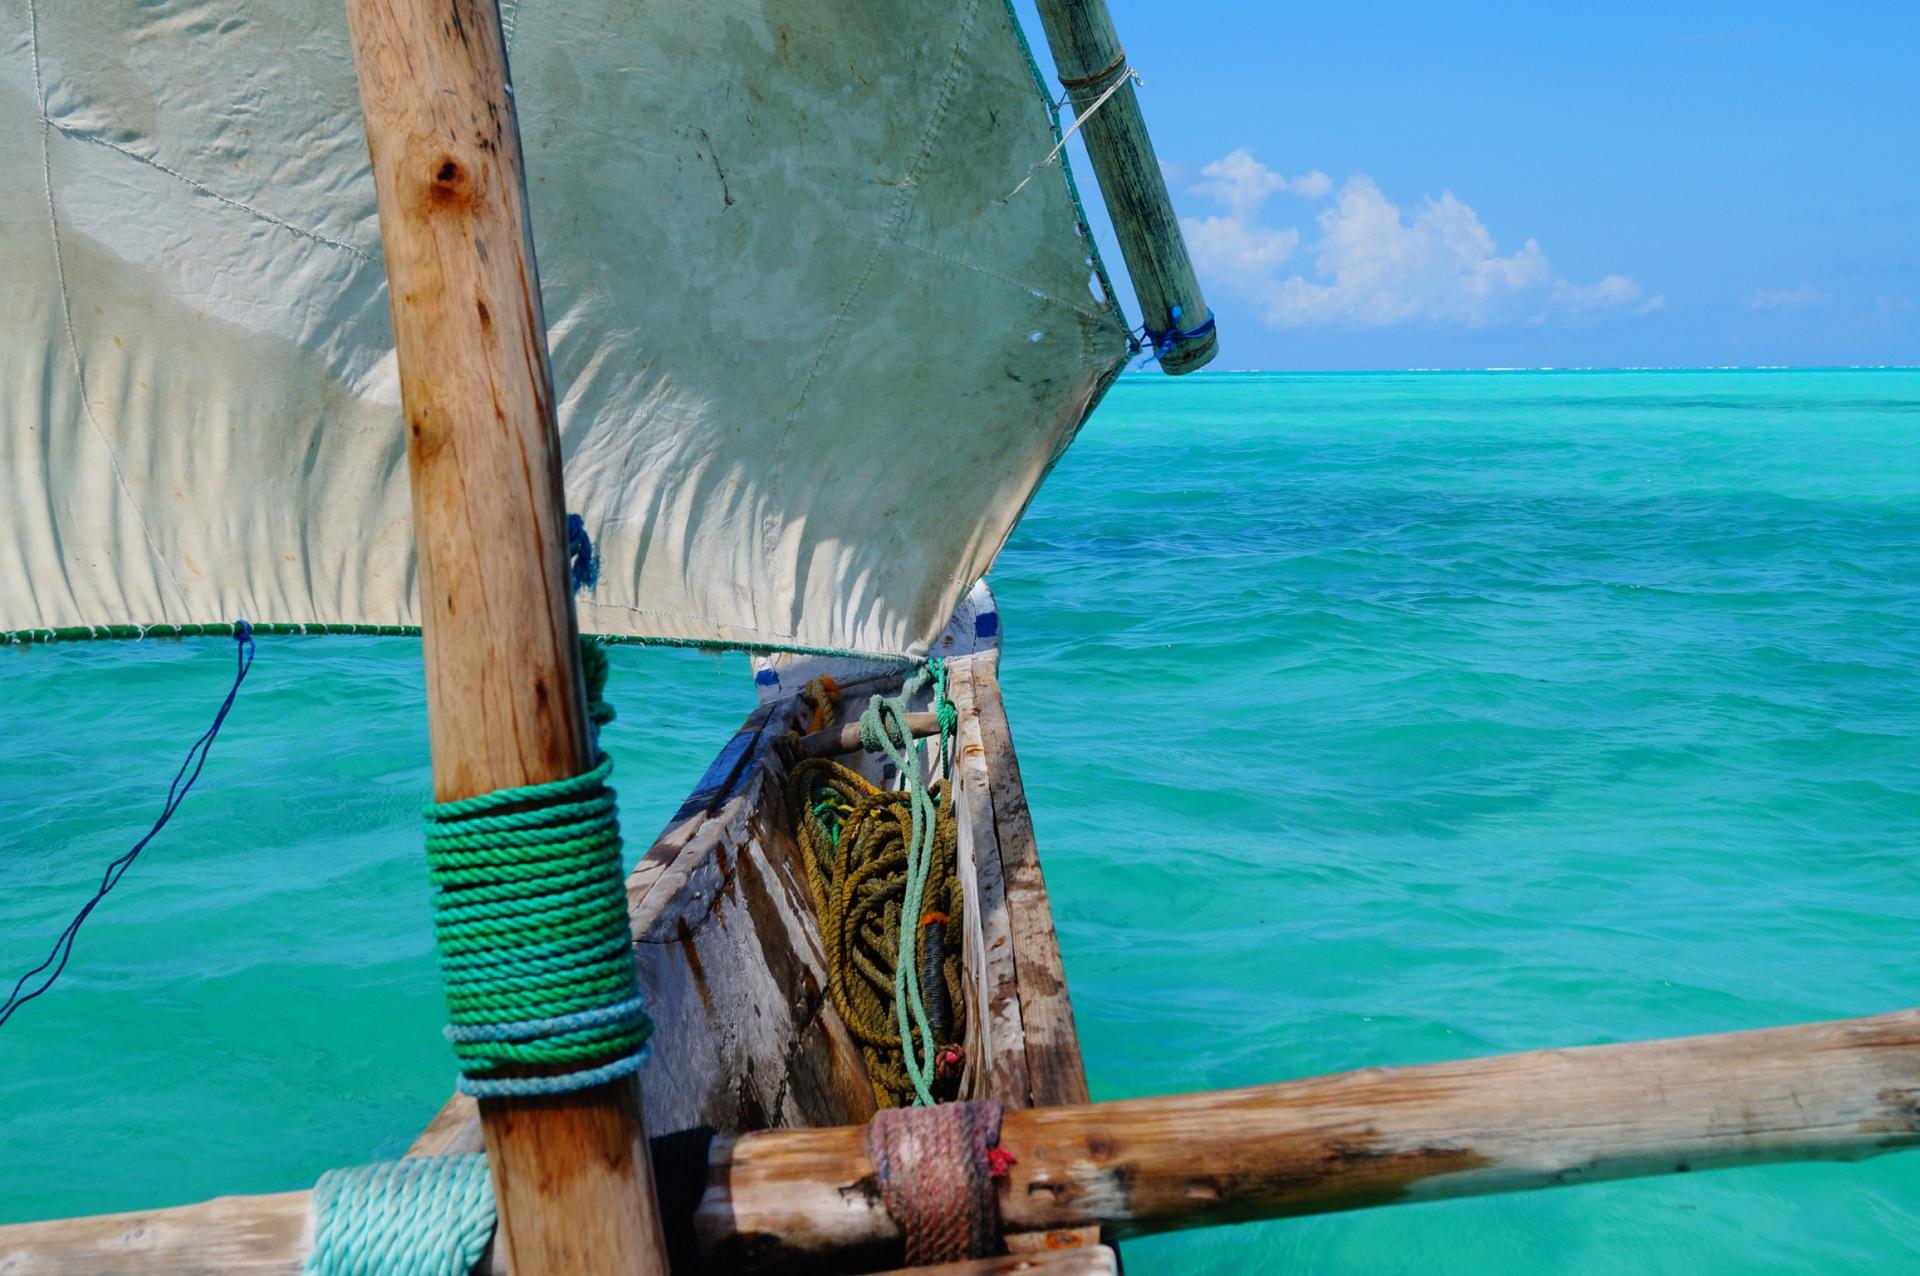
x=1366, y=719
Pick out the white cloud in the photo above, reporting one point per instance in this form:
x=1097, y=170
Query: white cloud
x=1801, y=298
x=1614, y=290
x=1375, y=264
x=1240, y=183
x=1230, y=245
x=1314, y=185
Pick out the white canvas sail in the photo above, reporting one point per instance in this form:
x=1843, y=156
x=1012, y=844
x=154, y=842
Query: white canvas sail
x=811, y=367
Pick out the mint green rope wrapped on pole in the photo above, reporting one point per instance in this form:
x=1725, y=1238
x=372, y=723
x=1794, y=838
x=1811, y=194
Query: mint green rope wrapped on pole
x=530, y=916
x=424, y=1216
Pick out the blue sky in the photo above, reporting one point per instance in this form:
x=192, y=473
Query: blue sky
x=1394, y=185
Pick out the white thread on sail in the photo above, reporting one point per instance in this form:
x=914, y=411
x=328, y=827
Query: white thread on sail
x=1128, y=74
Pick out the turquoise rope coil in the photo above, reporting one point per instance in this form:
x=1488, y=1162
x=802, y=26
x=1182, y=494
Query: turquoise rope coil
x=884, y=728
x=530, y=916
x=424, y=1216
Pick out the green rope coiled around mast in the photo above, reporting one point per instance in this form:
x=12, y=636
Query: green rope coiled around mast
x=530, y=916
x=425, y=1216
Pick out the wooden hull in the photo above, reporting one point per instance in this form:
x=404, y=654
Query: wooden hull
x=747, y=1037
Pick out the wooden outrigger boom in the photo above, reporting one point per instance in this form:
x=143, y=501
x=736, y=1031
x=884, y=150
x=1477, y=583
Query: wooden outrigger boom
x=1840, y=1091
x=799, y=1199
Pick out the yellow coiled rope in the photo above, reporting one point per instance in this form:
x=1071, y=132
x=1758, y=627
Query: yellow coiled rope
x=854, y=838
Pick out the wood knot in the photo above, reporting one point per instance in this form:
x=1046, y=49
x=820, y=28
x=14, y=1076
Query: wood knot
x=450, y=186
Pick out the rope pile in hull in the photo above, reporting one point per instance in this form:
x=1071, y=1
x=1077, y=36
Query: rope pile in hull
x=854, y=838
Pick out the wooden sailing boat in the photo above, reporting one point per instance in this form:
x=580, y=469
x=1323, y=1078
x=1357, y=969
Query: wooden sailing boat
x=755, y=1070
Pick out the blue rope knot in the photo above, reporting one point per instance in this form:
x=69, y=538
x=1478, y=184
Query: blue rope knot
x=583, y=560
x=1163, y=343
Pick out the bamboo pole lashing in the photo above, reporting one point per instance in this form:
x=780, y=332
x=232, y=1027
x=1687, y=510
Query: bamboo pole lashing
x=1091, y=62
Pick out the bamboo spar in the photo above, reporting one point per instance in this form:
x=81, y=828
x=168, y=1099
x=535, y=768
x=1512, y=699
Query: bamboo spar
x=1087, y=53
x=505, y=699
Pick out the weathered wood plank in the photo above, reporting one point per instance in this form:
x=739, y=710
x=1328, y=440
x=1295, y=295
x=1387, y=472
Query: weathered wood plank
x=1831, y=1091
x=1060, y=1239
x=730, y=955
x=454, y=1130
x=846, y=738
x=505, y=700
x=1087, y=52
x=242, y=1235
x=1054, y=1066
x=1004, y=1035
x=233, y=1235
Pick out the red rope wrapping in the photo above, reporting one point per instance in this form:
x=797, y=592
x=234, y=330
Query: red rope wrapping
x=936, y=1177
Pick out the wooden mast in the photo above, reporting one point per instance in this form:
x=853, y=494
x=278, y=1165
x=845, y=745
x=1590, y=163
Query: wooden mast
x=505, y=701
x=1087, y=52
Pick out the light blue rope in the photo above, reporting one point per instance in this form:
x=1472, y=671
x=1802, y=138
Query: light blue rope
x=520, y=1087
x=884, y=728
x=424, y=1216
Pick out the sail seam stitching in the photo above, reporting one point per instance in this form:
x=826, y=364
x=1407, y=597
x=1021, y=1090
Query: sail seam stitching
x=81, y=136
x=951, y=260
x=770, y=643
x=66, y=301
x=889, y=234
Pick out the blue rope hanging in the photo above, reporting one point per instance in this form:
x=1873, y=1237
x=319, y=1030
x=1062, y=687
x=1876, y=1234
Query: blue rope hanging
x=583, y=560
x=183, y=779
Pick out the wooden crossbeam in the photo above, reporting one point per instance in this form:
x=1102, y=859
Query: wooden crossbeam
x=805, y=1199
